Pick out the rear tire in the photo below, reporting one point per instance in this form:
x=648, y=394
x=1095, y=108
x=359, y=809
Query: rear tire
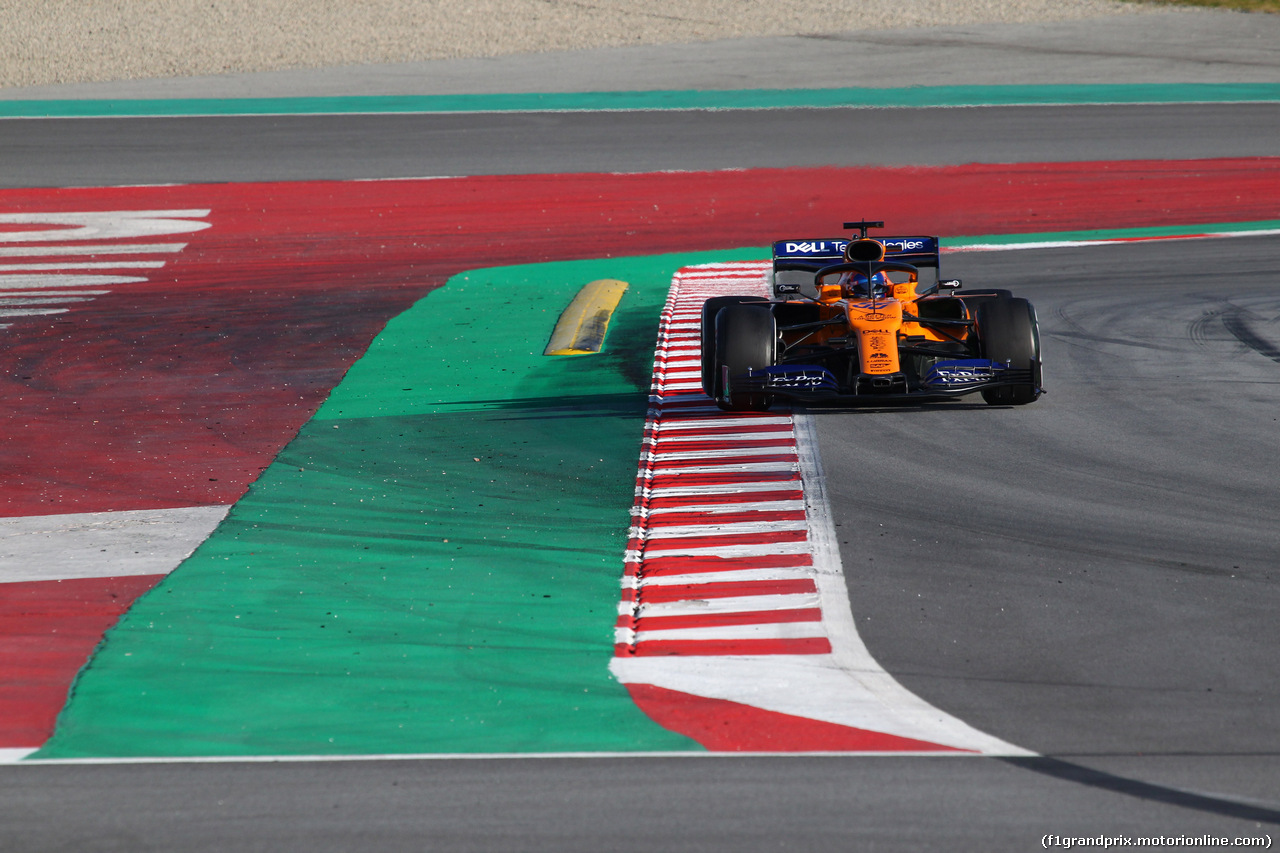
x=746, y=338
x=1009, y=333
x=710, y=309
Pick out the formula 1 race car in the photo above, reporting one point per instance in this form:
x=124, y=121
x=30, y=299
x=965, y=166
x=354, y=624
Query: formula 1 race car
x=849, y=324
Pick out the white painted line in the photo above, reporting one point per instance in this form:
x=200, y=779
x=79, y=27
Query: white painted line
x=1106, y=241
x=662, y=442
x=748, y=277
x=100, y=224
x=102, y=544
x=723, y=576
x=713, y=505
x=37, y=281
x=677, y=406
x=721, y=453
x=711, y=510
x=711, y=529
x=62, y=294
x=765, y=631
x=91, y=249
x=42, y=300
x=82, y=265
x=728, y=468
x=671, y=423
x=762, y=487
x=683, y=404
x=767, y=549
x=695, y=754
x=783, y=438
x=734, y=604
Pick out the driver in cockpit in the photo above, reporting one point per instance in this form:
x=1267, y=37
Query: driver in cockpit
x=854, y=283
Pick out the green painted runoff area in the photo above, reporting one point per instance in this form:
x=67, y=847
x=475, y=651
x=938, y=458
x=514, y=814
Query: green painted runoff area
x=431, y=566
x=692, y=99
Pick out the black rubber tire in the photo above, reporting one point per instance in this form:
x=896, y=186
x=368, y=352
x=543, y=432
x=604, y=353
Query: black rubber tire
x=710, y=309
x=746, y=338
x=1009, y=332
x=973, y=299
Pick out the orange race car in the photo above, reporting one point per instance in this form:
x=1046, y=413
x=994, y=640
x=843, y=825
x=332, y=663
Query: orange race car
x=850, y=324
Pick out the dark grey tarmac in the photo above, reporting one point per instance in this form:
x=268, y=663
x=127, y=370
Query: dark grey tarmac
x=584, y=806
x=91, y=152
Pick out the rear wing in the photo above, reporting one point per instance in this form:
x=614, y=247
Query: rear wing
x=795, y=261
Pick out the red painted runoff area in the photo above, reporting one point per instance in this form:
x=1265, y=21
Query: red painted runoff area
x=48, y=629
x=179, y=390
x=723, y=726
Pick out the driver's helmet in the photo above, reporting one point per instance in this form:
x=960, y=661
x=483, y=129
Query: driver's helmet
x=855, y=284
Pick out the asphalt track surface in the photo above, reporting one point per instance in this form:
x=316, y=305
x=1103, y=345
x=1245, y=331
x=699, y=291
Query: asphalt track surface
x=1091, y=577
x=92, y=152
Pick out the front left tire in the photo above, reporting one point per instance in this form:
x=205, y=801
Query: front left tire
x=746, y=339
x=710, y=309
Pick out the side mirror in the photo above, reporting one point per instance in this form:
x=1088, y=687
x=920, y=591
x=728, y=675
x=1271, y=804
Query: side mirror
x=944, y=284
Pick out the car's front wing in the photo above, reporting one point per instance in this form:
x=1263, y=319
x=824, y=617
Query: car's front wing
x=811, y=382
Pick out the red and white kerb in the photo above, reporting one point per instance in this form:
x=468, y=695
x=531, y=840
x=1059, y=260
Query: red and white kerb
x=734, y=626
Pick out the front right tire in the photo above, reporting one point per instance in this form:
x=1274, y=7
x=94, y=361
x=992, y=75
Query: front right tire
x=1009, y=332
